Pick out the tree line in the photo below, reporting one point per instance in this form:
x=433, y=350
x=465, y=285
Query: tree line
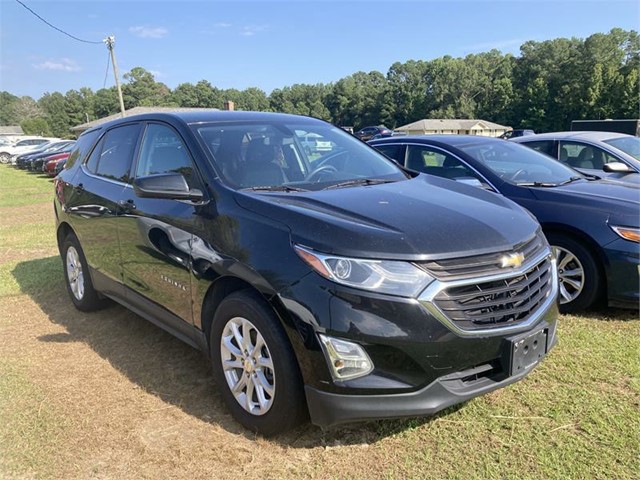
x=549, y=84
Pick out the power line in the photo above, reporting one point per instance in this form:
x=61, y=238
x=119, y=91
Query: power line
x=56, y=28
x=104, y=84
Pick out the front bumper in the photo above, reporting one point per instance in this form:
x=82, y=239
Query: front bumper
x=328, y=409
x=623, y=273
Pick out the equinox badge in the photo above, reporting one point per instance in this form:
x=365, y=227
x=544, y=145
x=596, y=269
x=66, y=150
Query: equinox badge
x=512, y=260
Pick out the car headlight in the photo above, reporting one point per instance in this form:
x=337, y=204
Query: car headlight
x=628, y=233
x=382, y=276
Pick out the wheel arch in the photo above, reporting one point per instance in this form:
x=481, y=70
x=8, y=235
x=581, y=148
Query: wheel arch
x=589, y=243
x=63, y=230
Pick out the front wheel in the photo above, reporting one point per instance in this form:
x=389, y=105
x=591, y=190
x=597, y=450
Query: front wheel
x=4, y=157
x=579, y=277
x=254, y=365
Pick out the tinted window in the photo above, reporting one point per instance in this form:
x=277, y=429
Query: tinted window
x=542, y=146
x=116, y=152
x=434, y=161
x=82, y=147
x=393, y=151
x=163, y=151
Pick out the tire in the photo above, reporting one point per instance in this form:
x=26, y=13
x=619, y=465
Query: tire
x=5, y=157
x=270, y=397
x=580, y=278
x=77, y=277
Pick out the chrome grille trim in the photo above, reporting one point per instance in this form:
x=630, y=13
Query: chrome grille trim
x=484, y=264
x=428, y=297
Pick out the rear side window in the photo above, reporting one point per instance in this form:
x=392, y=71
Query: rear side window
x=113, y=155
x=82, y=147
x=393, y=151
x=541, y=146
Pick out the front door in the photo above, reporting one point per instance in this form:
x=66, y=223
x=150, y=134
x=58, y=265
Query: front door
x=156, y=234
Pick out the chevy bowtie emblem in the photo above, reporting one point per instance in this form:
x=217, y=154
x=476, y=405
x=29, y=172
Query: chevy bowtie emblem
x=513, y=260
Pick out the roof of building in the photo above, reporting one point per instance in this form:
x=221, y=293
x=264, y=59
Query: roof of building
x=11, y=130
x=435, y=124
x=131, y=112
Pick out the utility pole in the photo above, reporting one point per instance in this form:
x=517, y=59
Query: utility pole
x=111, y=41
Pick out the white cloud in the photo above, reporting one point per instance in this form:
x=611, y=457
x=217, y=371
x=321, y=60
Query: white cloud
x=148, y=32
x=61, y=65
x=251, y=30
x=222, y=25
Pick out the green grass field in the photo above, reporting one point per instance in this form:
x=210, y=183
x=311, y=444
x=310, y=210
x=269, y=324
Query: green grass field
x=107, y=395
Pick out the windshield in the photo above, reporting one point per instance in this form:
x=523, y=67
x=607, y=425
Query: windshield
x=629, y=145
x=520, y=165
x=279, y=156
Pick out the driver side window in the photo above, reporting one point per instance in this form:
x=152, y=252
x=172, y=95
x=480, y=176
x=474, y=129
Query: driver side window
x=163, y=151
x=436, y=162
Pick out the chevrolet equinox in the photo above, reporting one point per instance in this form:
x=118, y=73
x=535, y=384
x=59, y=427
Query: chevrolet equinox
x=329, y=284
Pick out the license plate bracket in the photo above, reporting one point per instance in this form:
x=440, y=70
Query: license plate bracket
x=525, y=350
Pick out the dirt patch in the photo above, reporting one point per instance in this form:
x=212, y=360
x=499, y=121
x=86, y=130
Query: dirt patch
x=38, y=213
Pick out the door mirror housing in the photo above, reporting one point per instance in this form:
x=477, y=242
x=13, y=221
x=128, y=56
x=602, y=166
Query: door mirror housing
x=617, y=167
x=166, y=185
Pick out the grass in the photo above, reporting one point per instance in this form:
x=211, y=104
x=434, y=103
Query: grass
x=109, y=395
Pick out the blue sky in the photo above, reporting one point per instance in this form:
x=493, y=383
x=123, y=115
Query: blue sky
x=272, y=44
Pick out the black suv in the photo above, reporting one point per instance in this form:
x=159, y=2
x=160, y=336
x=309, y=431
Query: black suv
x=336, y=285
x=367, y=133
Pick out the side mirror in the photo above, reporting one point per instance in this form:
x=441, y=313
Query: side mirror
x=617, y=167
x=165, y=185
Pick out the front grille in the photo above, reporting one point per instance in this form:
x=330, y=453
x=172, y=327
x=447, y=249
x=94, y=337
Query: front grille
x=497, y=303
x=479, y=265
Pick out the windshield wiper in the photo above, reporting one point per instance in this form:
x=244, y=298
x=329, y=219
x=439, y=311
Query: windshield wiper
x=359, y=181
x=537, y=184
x=572, y=179
x=276, y=188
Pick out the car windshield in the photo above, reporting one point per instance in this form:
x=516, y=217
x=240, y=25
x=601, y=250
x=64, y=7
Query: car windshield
x=520, y=165
x=629, y=145
x=280, y=156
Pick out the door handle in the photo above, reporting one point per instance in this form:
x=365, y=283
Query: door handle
x=127, y=205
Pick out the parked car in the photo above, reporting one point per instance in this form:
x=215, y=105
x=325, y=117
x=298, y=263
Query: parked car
x=592, y=225
x=25, y=160
x=51, y=167
x=59, y=166
x=8, y=151
x=38, y=162
x=615, y=156
x=389, y=134
x=366, y=133
x=517, y=133
x=345, y=290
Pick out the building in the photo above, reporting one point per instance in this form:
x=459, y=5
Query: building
x=482, y=128
x=78, y=129
x=11, y=132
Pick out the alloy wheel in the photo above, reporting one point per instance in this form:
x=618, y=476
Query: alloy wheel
x=248, y=366
x=570, y=274
x=75, y=275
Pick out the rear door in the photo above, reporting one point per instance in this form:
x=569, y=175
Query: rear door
x=94, y=205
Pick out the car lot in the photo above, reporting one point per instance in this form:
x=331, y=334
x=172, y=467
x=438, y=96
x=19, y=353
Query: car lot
x=108, y=395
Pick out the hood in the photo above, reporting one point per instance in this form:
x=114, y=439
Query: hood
x=604, y=195
x=418, y=219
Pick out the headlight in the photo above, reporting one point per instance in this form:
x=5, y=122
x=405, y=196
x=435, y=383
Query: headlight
x=628, y=233
x=382, y=276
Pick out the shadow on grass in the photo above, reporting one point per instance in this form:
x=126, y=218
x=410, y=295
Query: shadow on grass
x=164, y=366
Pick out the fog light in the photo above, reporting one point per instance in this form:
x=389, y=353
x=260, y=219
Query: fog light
x=346, y=359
